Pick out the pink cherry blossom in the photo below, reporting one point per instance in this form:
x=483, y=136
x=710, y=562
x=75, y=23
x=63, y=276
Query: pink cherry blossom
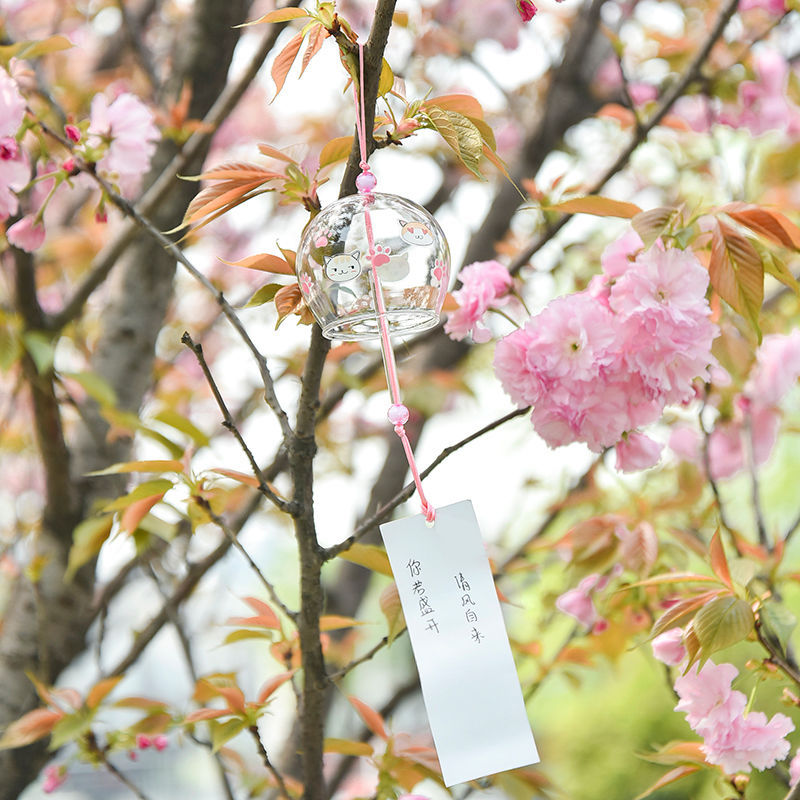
x=470, y=21
x=708, y=691
x=687, y=443
x=748, y=740
x=776, y=370
x=126, y=127
x=668, y=647
x=732, y=739
x=578, y=602
x=72, y=132
x=14, y=170
x=484, y=284
x=54, y=776
x=636, y=451
x=794, y=769
x=26, y=234
x=763, y=104
x=12, y=106
x=617, y=256
x=527, y=10
x=776, y=7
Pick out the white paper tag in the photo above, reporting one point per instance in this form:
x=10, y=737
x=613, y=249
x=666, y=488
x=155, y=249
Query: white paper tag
x=469, y=681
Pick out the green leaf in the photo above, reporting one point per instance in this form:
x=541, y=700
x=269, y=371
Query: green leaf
x=223, y=732
x=347, y=747
x=96, y=387
x=461, y=134
x=263, y=295
x=87, y=539
x=777, y=622
x=70, y=728
x=335, y=150
x=10, y=348
x=183, y=424
x=723, y=622
x=386, y=81
x=393, y=611
x=370, y=556
x=159, y=487
x=241, y=635
x=34, y=48
x=41, y=349
x=140, y=466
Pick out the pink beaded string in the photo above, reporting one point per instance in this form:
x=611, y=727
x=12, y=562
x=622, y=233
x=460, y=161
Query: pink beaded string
x=366, y=183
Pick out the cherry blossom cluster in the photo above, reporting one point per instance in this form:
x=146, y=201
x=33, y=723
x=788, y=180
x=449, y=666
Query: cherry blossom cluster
x=599, y=364
x=733, y=738
x=119, y=139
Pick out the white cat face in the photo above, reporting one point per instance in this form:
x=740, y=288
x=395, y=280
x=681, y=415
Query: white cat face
x=342, y=267
x=416, y=233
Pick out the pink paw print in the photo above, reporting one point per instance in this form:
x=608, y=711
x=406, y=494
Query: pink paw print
x=321, y=240
x=381, y=255
x=438, y=269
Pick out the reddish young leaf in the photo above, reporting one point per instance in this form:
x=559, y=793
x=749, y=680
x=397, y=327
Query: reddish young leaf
x=206, y=713
x=137, y=511
x=100, y=691
x=598, y=206
x=315, y=40
x=31, y=727
x=266, y=262
x=272, y=684
x=719, y=562
x=670, y=777
x=736, y=272
x=278, y=15
x=289, y=300
x=760, y=221
x=284, y=60
x=273, y=152
x=464, y=104
x=372, y=719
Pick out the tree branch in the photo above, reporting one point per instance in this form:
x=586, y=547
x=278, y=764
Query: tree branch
x=228, y=422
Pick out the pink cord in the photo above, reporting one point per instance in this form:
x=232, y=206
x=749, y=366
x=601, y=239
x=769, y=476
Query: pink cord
x=366, y=182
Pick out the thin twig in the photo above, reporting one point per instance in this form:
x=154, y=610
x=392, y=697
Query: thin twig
x=383, y=512
x=282, y=788
x=362, y=659
x=691, y=74
x=230, y=424
x=234, y=540
x=755, y=494
x=188, y=657
x=776, y=657
x=102, y=754
x=711, y=480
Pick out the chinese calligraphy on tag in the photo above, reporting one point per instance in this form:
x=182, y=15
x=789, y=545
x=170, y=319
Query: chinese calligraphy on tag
x=479, y=722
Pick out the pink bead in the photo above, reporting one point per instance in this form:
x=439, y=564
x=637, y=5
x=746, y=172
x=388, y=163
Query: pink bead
x=398, y=414
x=366, y=182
